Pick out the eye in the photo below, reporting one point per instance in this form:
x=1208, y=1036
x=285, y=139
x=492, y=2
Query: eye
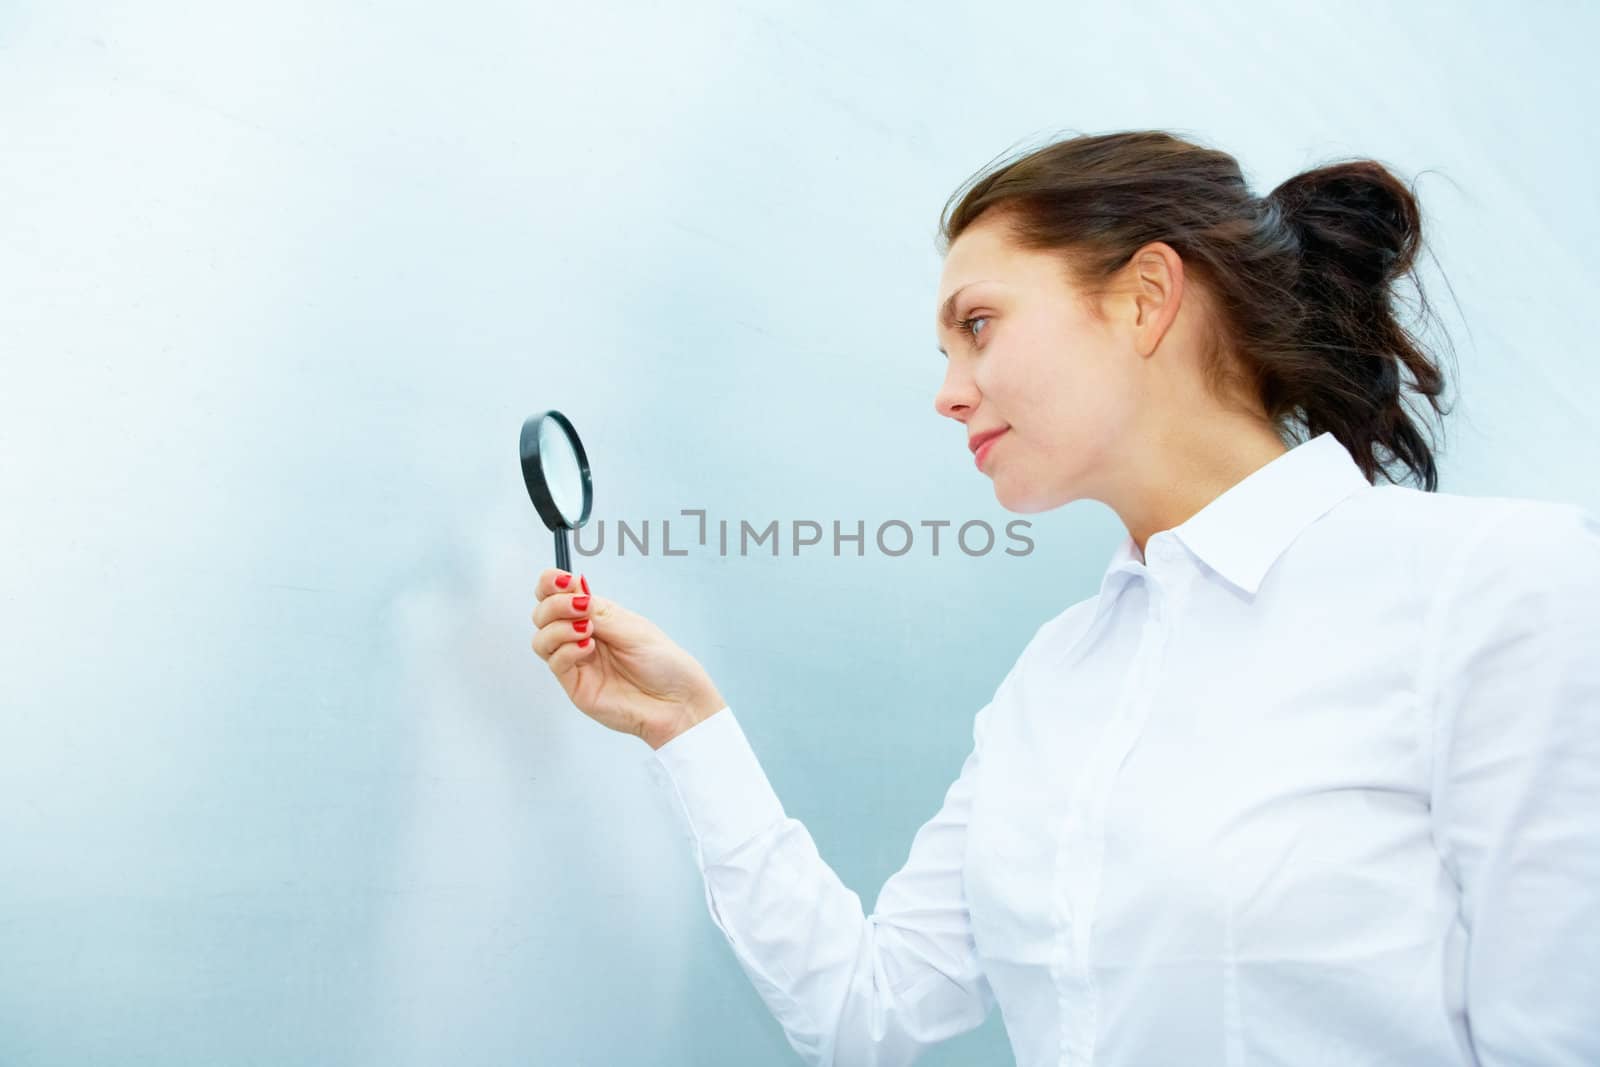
x=965, y=325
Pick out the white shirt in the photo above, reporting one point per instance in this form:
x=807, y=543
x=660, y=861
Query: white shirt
x=1318, y=782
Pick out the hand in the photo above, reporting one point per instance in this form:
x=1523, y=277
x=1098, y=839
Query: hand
x=619, y=668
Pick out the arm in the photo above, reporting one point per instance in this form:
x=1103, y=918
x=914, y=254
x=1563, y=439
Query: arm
x=847, y=988
x=1516, y=793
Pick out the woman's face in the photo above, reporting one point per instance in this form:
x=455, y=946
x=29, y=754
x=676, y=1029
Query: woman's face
x=1064, y=386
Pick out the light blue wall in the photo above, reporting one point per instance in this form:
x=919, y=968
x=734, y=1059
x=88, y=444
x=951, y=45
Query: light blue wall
x=281, y=780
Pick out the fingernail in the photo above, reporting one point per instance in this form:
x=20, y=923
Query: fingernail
x=581, y=603
x=563, y=581
x=581, y=625
x=583, y=582
x=584, y=643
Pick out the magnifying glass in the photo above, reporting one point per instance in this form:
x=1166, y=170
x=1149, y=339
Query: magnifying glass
x=556, y=470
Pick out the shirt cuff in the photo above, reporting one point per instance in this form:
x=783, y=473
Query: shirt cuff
x=720, y=784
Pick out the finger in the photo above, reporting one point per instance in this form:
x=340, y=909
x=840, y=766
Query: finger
x=550, y=637
x=571, y=605
x=570, y=655
x=548, y=579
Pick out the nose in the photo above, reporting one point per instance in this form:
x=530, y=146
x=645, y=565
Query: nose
x=957, y=396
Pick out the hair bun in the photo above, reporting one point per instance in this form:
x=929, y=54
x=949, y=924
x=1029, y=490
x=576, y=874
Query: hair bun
x=1354, y=217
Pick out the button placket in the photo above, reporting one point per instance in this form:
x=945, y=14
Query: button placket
x=1084, y=834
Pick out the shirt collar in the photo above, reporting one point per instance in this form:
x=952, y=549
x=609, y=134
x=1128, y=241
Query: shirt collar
x=1242, y=532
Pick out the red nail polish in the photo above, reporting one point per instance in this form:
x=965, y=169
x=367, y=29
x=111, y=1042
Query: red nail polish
x=584, y=643
x=581, y=603
x=583, y=582
x=581, y=625
x=563, y=581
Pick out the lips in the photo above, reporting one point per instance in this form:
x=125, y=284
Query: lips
x=976, y=440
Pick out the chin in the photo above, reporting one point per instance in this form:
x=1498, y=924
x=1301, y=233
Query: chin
x=1025, y=500
x=1031, y=498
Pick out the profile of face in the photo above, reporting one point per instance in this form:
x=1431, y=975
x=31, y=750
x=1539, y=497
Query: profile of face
x=1070, y=391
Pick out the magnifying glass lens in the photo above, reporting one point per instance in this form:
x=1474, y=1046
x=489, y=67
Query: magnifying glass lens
x=562, y=474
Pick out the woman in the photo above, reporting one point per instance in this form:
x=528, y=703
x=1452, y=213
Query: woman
x=1314, y=778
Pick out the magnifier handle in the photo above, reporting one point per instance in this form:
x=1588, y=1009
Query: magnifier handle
x=563, y=556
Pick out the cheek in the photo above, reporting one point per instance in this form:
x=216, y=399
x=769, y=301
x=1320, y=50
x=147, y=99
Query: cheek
x=1031, y=388
x=1017, y=375
x=1063, y=414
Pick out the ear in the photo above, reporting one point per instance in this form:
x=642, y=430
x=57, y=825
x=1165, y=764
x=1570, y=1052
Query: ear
x=1157, y=292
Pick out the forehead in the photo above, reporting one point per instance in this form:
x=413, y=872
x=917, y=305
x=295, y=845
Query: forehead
x=986, y=252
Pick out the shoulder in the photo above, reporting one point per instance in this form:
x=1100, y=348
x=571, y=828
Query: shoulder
x=1060, y=630
x=1444, y=539
x=1453, y=518
x=1519, y=591
x=1056, y=633
x=1520, y=546
x=1509, y=669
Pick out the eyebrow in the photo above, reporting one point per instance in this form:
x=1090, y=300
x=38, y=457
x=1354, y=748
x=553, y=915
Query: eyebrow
x=947, y=312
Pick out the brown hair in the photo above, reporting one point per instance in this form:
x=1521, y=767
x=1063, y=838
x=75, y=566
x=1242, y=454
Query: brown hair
x=1299, y=281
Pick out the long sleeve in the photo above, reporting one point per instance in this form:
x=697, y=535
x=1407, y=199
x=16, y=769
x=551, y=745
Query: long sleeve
x=1516, y=803
x=849, y=990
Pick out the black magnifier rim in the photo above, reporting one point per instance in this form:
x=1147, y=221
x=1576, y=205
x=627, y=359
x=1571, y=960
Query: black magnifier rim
x=533, y=471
